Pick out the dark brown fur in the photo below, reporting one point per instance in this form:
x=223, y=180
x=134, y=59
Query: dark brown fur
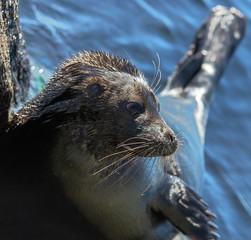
x=84, y=114
x=67, y=99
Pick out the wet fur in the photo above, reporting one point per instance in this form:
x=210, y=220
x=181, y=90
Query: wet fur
x=80, y=118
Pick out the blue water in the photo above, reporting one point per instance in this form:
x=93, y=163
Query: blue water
x=137, y=30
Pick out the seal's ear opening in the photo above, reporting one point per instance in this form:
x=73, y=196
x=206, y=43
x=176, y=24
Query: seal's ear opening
x=66, y=95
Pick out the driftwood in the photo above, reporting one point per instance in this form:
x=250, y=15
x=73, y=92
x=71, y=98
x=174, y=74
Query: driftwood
x=14, y=63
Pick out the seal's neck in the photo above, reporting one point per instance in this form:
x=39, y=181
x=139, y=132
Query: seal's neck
x=105, y=207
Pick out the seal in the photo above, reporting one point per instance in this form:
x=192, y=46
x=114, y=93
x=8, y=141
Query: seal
x=96, y=130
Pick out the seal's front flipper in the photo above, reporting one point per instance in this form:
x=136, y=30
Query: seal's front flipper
x=185, y=209
x=201, y=68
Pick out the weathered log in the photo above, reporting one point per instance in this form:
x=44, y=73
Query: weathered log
x=14, y=63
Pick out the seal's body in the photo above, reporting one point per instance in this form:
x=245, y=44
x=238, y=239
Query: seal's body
x=97, y=130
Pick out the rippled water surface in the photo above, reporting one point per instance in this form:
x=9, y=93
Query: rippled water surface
x=137, y=30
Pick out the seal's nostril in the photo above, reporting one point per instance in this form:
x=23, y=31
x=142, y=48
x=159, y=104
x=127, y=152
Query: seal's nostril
x=171, y=137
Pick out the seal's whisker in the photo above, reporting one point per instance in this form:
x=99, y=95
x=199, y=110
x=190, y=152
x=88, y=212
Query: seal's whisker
x=121, y=159
x=153, y=162
x=138, y=147
x=160, y=171
x=115, y=170
x=129, y=144
x=113, y=154
x=129, y=161
x=175, y=168
x=178, y=154
x=149, y=158
x=124, y=151
x=158, y=73
x=157, y=90
x=157, y=84
x=154, y=177
x=168, y=162
x=162, y=175
x=160, y=157
x=131, y=153
x=127, y=54
x=174, y=157
x=181, y=132
x=163, y=161
x=113, y=163
x=139, y=151
x=179, y=137
x=145, y=159
x=132, y=160
x=154, y=73
x=133, y=138
x=127, y=171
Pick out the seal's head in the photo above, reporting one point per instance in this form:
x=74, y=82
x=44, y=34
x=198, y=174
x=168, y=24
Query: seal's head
x=104, y=118
x=112, y=102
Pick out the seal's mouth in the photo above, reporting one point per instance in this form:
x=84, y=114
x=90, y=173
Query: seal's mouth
x=140, y=156
x=127, y=147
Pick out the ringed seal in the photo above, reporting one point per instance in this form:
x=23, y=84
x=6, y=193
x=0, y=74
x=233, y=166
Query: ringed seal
x=96, y=130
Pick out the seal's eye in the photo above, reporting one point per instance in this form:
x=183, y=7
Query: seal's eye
x=134, y=108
